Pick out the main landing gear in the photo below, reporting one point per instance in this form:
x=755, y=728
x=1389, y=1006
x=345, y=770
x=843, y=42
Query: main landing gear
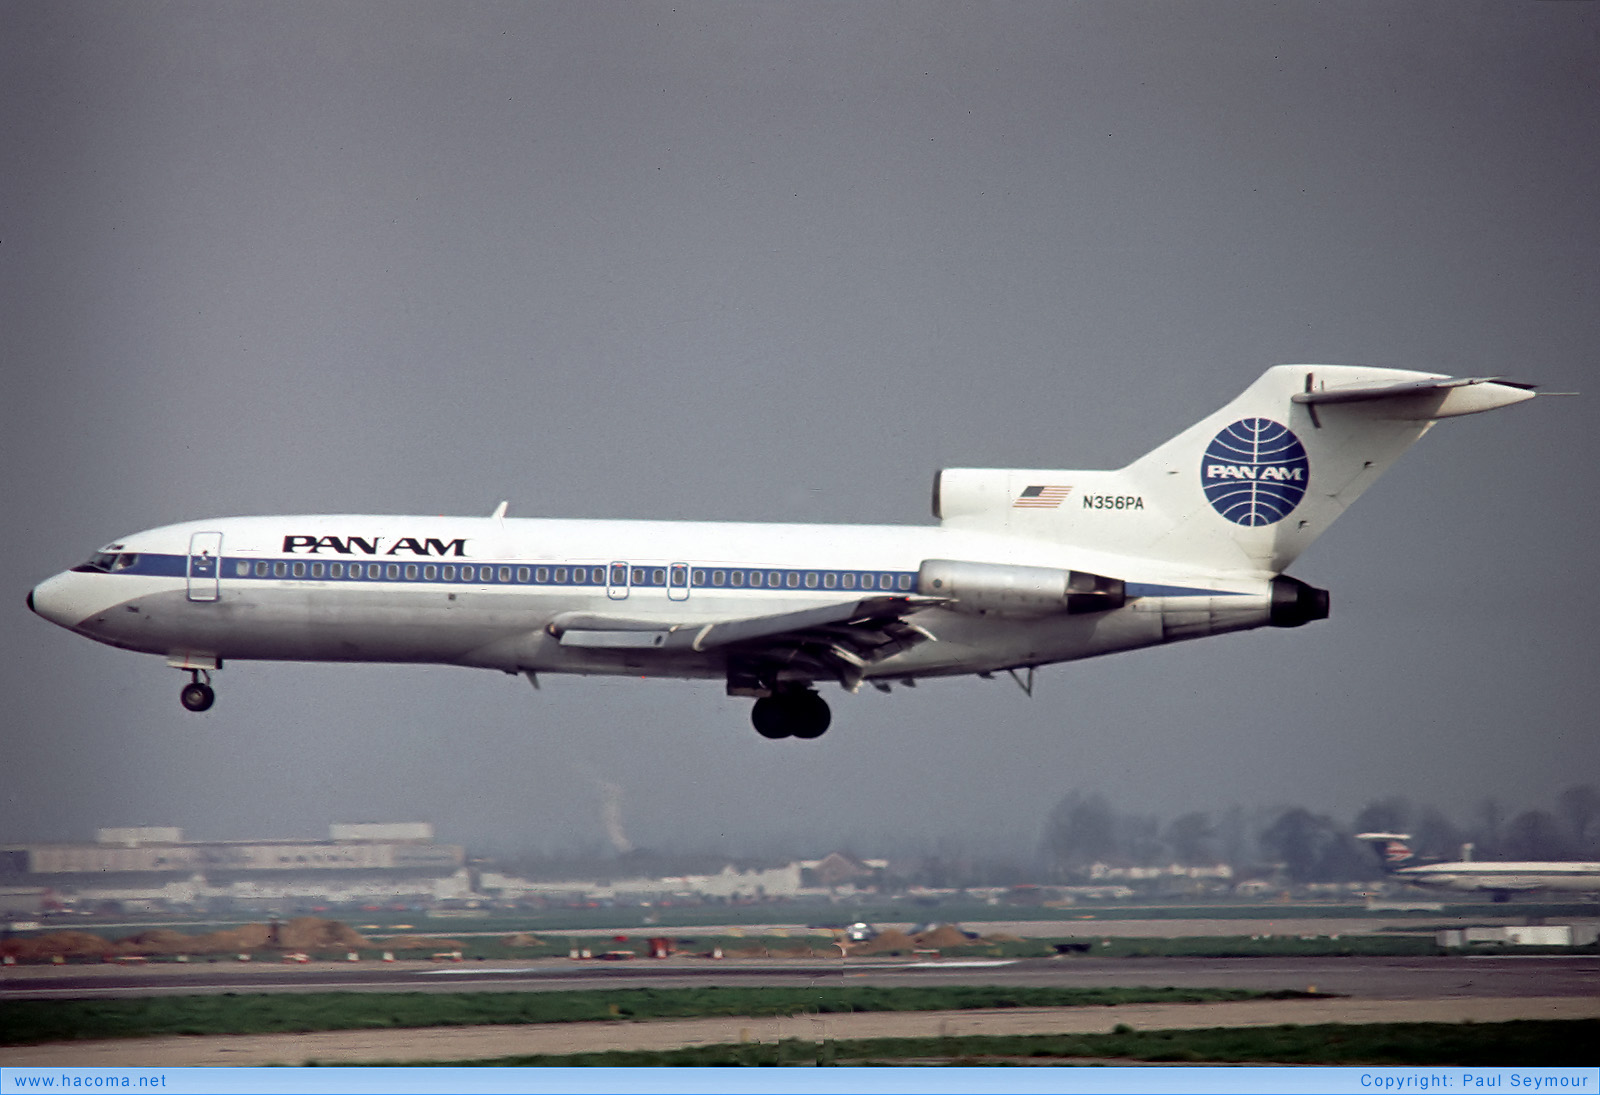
x=791, y=713
x=198, y=695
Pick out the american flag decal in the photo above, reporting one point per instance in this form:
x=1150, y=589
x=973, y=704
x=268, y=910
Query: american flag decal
x=1041, y=497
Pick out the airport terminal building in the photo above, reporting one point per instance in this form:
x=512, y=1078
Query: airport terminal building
x=155, y=867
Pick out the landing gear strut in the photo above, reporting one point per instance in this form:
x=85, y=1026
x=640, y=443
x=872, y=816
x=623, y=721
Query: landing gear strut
x=197, y=695
x=791, y=713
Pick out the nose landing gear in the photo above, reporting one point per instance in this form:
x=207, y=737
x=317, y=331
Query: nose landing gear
x=198, y=695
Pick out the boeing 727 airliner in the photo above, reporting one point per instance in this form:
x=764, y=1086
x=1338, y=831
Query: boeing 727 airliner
x=1499, y=879
x=1024, y=568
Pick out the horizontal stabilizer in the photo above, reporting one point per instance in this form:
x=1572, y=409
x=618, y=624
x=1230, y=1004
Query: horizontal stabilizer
x=1424, y=400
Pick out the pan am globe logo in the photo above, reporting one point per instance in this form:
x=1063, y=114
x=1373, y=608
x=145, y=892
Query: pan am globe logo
x=1255, y=472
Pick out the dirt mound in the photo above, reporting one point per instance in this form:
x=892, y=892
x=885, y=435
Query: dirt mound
x=155, y=941
x=307, y=933
x=522, y=939
x=310, y=933
x=244, y=938
x=67, y=944
x=945, y=935
x=892, y=941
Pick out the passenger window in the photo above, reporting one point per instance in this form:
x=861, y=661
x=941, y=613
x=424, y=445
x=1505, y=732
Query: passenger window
x=638, y=576
x=336, y=570
x=392, y=571
x=658, y=577
x=374, y=571
x=430, y=572
x=886, y=581
x=905, y=581
x=523, y=574
x=505, y=574
x=829, y=580
x=597, y=576
x=299, y=570
x=411, y=572
x=263, y=569
x=280, y=569
x=738, y=578
x=699, y=577
x=792, y=579
x=849, y=581
x=242, y=569
x=541, y=574
x=448, y=573
x=718, y=577
x=811, y=579
x=561, y=574
x=316, y=569
x=866, y=581
x=773, y=578
x=680, y=576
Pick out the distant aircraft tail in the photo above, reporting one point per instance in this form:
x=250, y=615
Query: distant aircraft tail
x=1246, y=489
x=1393, y=851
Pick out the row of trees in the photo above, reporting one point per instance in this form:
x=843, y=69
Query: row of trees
x=1083, y=829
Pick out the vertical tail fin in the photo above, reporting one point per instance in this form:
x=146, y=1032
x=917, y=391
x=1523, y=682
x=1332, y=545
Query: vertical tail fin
x=1279, y=464
x=1246, y=489
x=1393, y=851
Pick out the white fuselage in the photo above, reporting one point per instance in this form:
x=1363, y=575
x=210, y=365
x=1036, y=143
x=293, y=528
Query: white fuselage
x=1507, y=877
x=484, y=592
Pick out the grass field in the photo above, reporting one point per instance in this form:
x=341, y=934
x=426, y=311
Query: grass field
x=25, y=1022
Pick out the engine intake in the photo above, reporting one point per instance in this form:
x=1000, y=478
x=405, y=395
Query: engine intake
x=1003, y=590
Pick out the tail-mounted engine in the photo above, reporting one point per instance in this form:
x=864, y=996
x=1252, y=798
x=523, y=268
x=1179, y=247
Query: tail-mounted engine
x=1295, y=603
x=996, y=589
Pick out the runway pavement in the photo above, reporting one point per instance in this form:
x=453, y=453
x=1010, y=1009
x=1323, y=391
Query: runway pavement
x=1457, y=988
x=1496, y=975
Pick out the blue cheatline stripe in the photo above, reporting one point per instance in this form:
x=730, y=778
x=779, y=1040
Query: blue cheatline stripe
x=589, y=575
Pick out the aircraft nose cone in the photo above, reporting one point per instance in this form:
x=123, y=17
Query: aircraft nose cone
x=64, y=599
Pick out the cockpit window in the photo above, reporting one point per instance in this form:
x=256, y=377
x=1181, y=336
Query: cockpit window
x=108, y=562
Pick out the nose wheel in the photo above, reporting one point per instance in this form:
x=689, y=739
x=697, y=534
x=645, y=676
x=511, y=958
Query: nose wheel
x=198, y=695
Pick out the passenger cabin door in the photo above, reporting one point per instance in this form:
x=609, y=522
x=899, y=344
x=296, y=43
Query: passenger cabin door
x=678, y=582
x=617, y=581
x=205, y=566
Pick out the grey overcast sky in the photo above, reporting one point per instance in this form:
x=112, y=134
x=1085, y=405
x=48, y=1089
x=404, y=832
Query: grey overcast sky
x=781, y=262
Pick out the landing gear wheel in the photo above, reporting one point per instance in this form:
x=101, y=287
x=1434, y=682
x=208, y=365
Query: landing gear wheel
x=770, y=717
x=810, y=715
x=197, y=697
x=794, y=713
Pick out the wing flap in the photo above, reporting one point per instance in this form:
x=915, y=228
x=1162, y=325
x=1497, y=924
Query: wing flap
x=592, y=631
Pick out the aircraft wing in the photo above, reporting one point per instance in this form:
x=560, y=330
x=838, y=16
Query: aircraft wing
x=831, y=641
